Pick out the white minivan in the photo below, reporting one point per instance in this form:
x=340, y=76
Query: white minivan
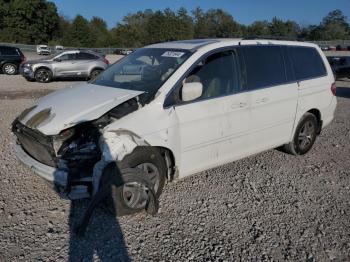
x=174, y=109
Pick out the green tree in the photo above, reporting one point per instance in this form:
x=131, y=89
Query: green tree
x=62, y=35
x=215, y=23
x=184, y=25
x=30, y=21
x=334, y=26
x=100, y=32
x=280, y=28
x=258, y=28
x=80, y=33
x=131, y=32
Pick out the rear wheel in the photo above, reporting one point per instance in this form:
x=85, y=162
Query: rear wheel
x=94, y=73
x=9, y=69
x=43, y=75
x=304, y=137
x=130, y=198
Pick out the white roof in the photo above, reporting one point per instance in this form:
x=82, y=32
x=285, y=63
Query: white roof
x=196, y=44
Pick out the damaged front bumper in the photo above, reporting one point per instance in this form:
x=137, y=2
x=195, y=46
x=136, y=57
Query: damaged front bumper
x=26, y=71
x=56, y=177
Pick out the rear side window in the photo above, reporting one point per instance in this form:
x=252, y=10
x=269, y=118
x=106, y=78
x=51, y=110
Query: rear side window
x=307, y=62
x=264, y=66
x=85, y=56
x=9, y=51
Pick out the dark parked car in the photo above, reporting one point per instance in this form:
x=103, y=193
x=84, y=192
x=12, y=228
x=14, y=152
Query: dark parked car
x=10, y=59
x=341, y=48
x=340, y=66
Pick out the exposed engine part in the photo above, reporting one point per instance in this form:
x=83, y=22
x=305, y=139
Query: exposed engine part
x=112, y=178
x=80, y=152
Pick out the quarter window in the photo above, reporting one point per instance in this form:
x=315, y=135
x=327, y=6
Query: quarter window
x=307, y=62
x=85, y=56
x=264, y=66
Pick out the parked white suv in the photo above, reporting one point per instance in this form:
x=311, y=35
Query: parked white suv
x=43, y=50
x=178, y=108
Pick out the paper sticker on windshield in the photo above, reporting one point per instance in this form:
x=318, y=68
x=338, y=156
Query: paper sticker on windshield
x=173, y=54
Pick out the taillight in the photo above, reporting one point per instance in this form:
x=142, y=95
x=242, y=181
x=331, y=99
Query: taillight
x=106, y=61
x=23, y=59
x=334, y=89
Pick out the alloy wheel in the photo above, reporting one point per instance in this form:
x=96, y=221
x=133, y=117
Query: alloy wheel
x=42, y=76
x=10, y=69
x=134, y=194
x=306, y=135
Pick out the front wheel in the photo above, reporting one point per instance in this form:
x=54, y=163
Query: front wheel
x=43, y=75
x=304, y=137
x=129, y=199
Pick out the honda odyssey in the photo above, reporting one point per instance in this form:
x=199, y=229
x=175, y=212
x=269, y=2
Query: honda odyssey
x=175, y=109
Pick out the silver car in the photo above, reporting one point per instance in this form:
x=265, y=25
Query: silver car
x=68, y=64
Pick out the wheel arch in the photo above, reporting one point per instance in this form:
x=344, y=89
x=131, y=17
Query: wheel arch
x=317, y=114
x=43, y=67
x=96, y=68
x=170, y=162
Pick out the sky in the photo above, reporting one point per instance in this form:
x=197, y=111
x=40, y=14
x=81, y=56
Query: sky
x=304, y=12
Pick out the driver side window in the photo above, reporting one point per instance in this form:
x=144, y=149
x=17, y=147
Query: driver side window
x=67, y=57
x=218, y=73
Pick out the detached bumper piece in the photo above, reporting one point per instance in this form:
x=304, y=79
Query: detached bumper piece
x=111, y=178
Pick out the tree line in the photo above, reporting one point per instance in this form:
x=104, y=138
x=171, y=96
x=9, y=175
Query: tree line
x=38, y=21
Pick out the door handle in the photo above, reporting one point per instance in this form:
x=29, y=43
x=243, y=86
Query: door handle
x=239, y=105
x=262, y=100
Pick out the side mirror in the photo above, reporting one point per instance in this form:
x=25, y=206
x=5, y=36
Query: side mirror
x=57, y=60
x=191, y=91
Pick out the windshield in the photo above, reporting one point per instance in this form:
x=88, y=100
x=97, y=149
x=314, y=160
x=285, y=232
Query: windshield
x=145, y=69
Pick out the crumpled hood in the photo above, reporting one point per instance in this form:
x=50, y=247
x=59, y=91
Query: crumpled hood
x=73, y=105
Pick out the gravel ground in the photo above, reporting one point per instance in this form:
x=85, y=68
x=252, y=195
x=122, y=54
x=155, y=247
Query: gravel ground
x=271, y=206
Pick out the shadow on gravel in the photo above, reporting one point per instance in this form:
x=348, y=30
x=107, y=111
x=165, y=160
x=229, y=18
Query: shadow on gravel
x=343, y=92
x=103, y=239
x=93, y=225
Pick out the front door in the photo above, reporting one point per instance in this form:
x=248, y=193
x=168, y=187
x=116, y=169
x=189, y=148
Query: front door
x=65, y=65
x=213, y=129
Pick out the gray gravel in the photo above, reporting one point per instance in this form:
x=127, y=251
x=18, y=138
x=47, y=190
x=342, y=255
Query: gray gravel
x=271, y=206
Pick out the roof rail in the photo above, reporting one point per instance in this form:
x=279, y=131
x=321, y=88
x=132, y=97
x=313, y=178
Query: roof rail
x=269, y=37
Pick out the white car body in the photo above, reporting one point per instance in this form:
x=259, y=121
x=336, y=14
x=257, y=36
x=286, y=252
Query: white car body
x=59, y=48
x=200, y=135
x=43, y=50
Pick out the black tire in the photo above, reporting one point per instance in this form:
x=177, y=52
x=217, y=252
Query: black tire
x=304, y=136
x=9, y=69
x=43, y=75
x=141, y=155
x=94, y=73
